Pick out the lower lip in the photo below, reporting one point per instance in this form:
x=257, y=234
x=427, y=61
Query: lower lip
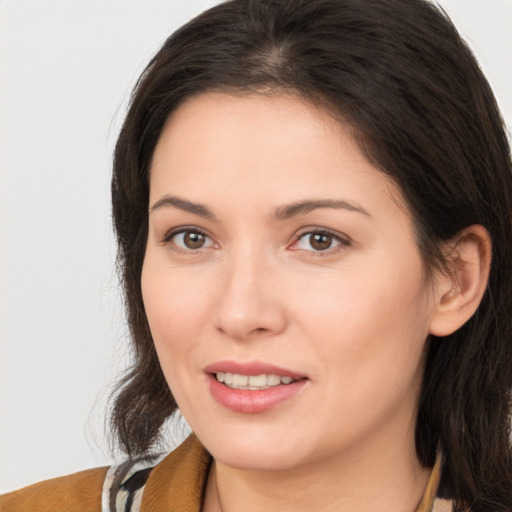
x=248, y=401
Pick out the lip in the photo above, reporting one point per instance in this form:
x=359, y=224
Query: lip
x=251, y=368
x=252, y=401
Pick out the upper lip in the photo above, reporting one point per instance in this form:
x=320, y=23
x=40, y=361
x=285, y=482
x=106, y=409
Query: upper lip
x=251, y=368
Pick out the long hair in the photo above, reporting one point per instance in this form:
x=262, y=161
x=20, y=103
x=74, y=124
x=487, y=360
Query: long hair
x=399, y=74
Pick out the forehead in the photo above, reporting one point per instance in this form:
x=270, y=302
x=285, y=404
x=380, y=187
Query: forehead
x=260, y=146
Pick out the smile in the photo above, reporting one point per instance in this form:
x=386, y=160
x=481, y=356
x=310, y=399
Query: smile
x=253, y=386
x=252, y=382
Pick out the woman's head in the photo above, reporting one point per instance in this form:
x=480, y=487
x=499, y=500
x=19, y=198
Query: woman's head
x=276, y=251
x=396, y=76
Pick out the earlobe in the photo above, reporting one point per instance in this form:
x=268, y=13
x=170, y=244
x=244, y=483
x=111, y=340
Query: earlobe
x=460, y=291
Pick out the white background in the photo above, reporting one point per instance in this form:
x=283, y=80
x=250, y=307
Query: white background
x=66, y=69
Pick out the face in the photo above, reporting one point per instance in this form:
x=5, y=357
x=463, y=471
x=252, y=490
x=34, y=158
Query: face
x=283, y=286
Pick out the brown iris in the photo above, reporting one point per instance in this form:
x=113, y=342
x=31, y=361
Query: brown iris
x=320, y=241
x=194, y=240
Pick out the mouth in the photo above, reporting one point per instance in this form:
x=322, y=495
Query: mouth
x=253, y=387
x=252, y=382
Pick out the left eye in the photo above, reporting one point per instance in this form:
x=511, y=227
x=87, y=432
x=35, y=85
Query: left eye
x=318, y=241
x=191, y=240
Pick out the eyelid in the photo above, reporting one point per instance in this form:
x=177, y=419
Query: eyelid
x=344, y=240
x=171, y=233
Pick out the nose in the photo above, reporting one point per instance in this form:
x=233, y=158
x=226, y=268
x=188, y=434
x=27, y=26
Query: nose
x=250, y=304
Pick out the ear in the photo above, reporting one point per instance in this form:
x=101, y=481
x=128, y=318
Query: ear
x=459, y=291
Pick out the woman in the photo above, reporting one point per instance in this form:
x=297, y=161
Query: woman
x=312, y=202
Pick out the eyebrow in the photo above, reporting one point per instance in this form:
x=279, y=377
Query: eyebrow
x=183, y=204
x=302, y=207
x=282, y=213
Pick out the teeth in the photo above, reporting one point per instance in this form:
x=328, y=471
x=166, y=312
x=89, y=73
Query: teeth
x=240, y=381
x=252, y=382
x=274, y=380
x=258, y=380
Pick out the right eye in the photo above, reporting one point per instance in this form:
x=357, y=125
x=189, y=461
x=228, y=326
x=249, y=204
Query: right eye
x=189, y=239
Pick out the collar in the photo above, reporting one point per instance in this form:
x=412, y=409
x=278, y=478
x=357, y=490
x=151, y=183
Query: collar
x=177, y=483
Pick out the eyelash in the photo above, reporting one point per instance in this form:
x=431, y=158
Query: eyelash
x=168, y=238
x=341, y=242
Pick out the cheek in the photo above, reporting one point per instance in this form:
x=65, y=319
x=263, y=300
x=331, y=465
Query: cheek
x=176, y=305
x=369, y=318
x=372, y=348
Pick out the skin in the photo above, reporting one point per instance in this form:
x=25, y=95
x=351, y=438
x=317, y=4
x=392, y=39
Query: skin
x=352, y=319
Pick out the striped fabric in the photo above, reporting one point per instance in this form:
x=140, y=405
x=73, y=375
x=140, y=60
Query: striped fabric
x=125, y=483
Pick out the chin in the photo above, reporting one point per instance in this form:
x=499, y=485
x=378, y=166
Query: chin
x=254, y=458
x=254, y=449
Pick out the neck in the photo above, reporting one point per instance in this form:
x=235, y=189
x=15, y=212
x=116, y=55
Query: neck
x=375, y=479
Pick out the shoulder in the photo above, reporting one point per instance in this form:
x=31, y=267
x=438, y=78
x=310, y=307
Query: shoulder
x=79, y=492
x=177, y=478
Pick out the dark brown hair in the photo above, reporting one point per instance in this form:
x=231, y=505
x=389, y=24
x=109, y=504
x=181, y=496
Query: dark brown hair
x=400, y=75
